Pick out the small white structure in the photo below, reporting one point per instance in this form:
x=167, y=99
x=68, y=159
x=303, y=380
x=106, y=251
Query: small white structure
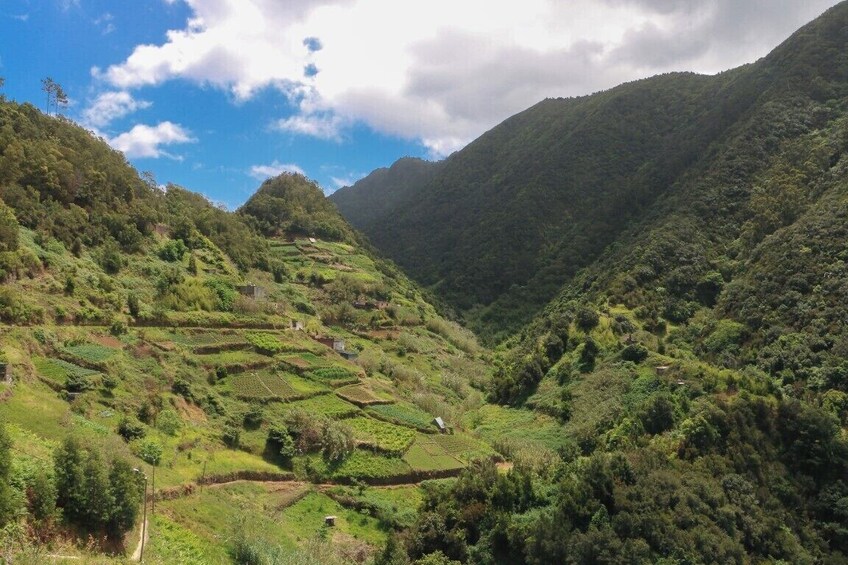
x=311, y=240
x=440, y=424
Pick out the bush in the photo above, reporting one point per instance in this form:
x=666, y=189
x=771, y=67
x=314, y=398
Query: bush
x=280, y=438
x=231, y=436
x=586, y=319
x=131, y=429
x=173, y=250
x=634, y=352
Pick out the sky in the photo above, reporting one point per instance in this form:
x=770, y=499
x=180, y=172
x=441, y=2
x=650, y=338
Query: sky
x=218, y=95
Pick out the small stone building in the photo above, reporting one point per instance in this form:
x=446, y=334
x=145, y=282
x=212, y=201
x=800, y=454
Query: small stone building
x=252, y=291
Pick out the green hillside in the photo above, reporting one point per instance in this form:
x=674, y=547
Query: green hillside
x=692, y=356
x=264, y=351
x=521, y=210
x=662, y=266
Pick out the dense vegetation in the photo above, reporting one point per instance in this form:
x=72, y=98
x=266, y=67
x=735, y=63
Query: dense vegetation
x=503, y=223
x=693, y=354
x=681, y=398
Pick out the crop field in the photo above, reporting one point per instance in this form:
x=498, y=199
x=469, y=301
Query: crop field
x=206, y=339
x=91, y=352
x=404, y=415
x=304, y=387
x=265, y=343
x=382, y=435
x=333, y=376
x=58, y=371
x=425, y=454
x=258, y=386
x=360, y=395
x=326, y=405
x=365, y=465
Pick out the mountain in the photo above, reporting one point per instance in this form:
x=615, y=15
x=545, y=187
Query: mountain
x=371, y=199
x=520, y=211
x=284, y=394
x=154, y=345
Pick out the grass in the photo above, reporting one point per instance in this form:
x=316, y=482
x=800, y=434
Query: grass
x=232, y=359
x=174, y=543
x=523, y=427
x=426, y=454
x=206, y=339
x=304, y=519
x=305, y=387
x=382, y=435
x=462, y=447
x=359, y=394
x=397, y=505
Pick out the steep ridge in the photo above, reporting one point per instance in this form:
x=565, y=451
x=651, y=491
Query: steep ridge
x=370, y=199
x=518, y=212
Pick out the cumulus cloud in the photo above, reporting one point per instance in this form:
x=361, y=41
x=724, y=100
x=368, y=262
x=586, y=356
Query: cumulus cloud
x=262, y=172
x=147, y=141
x=110, y=106
x=442, y=72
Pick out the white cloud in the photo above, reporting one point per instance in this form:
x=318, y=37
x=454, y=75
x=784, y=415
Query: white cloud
x=443, y=71
x=110, y=106
x=146, y=141
x=262, y=172
x=322, y=126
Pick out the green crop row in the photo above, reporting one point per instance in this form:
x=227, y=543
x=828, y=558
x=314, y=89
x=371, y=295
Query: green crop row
x=382, y=435
x=91, y=352
x=404, y=416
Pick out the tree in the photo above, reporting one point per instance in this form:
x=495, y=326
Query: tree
x=8, y=229
x=5, y=470
x=126, y=491
x=56, y=95
x=98, y=502
x=70, y=474
x=280, y=438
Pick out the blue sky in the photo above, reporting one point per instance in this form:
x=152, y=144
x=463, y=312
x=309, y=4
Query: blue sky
x=216, y=95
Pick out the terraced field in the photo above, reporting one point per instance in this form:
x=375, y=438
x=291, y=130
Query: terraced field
x=381, y=435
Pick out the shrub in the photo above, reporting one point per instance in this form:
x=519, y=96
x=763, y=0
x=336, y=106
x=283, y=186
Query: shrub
x=173, y=250
x=634, y=352
x=586, y=318
x=131, y=429
x=231, y=436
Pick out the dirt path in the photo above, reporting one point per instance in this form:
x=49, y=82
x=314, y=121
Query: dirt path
x=145, y=528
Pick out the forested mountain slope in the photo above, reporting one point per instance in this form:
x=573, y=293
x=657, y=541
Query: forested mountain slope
x=370, y=199
x=513, y=216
